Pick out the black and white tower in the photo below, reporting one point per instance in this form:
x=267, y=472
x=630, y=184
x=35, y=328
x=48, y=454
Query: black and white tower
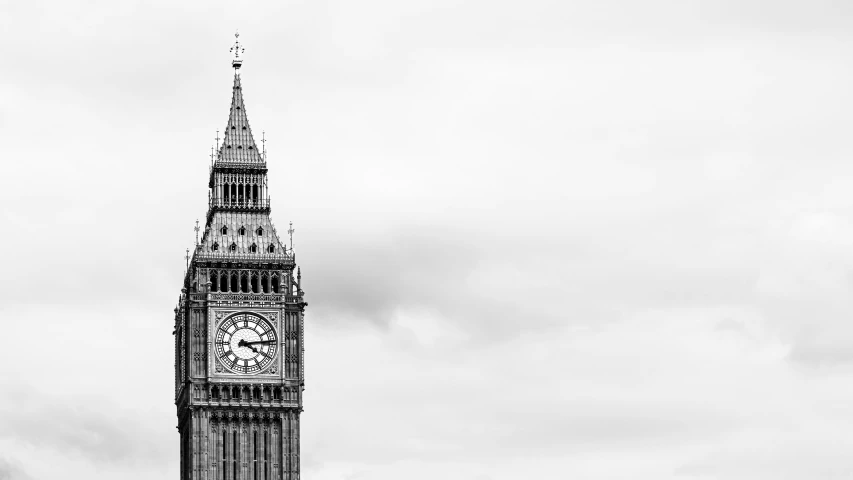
x=239, y=325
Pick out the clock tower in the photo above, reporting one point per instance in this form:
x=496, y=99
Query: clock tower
x=239, y=325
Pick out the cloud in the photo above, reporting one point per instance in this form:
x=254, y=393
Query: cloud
x=11, y=471
x=103, y=435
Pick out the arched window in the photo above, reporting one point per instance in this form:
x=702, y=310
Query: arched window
x=253, y=248
x=235, y=282
x=214, y=281
x=271, y=249
x=260, y=231
x=244, y=283
x=223, y=282
x=224, y=230
x=255, y=456
x=215, y=246
x=265, y=282
x=255, y=284
x=236, y=455
x=242, y=231
x=233, y=247
x=223, y=442
x=275, y=283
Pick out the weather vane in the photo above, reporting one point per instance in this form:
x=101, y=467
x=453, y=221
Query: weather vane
x=238, y=50
x=290, y=231
x=196, y=232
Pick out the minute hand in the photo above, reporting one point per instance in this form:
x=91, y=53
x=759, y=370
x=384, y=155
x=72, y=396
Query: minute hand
x=259, y=341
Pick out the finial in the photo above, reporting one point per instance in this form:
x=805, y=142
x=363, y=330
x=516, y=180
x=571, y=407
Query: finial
x=196, y=232
x=264, y=143
x=290, y=231
x=217, y=139
x=237, y=49
x=188, y=259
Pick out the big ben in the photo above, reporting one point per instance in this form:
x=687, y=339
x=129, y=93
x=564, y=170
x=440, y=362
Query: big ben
x=238, y=330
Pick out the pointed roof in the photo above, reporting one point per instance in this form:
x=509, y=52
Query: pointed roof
x=257, y=229
x=238, y=145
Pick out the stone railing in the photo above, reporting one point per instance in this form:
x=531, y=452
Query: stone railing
x=246, y=297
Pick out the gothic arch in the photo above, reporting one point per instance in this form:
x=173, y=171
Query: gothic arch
x=265, y=282
x=235, y=282
x=214, y=281
x=244, y=282
x=255, y=283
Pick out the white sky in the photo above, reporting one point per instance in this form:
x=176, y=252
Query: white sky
x=541, y=239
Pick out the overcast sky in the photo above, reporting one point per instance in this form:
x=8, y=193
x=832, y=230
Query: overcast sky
x=540, y=239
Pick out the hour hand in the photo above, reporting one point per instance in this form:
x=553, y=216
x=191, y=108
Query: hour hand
x=243, y=343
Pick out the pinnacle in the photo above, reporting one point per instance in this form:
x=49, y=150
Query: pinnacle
x=238, y=145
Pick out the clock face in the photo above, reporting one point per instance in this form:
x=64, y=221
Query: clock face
x=246, y=343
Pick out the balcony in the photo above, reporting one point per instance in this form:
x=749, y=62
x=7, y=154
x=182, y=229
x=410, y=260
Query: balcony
x=242, y=297
x=240, y=203
x=225, y=255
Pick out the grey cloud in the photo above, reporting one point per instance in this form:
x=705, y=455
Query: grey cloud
x=101, y=433
x=817, y=353
x=11, y=471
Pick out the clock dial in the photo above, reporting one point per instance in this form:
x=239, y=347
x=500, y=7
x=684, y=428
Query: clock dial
x=246, y=343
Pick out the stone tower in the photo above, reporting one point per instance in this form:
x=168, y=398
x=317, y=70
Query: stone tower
x=239, y=326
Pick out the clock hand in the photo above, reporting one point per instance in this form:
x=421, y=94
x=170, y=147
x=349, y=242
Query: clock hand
x=259, y=341
x=243, y=343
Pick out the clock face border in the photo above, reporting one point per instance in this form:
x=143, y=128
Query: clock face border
x=226, y=317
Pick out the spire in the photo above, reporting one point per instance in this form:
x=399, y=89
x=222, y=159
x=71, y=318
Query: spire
x=238, y=50
x=238, y=145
